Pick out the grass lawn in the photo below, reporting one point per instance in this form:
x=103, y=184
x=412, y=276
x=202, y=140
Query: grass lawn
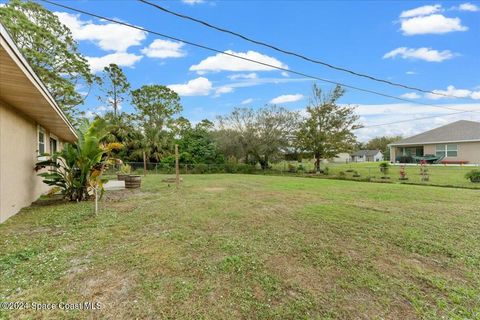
x=250, y=247
x=440, y=175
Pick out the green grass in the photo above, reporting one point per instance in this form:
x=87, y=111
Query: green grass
x=250, y=247
x=440, y=175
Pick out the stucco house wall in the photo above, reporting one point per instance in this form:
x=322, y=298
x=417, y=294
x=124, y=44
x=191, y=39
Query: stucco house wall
x=466, y=151
x=19, y=183
x=26, y=107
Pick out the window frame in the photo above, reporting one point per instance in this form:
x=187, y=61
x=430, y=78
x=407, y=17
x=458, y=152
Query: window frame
x=53, y=138
x=41, y=132
x=443, y=149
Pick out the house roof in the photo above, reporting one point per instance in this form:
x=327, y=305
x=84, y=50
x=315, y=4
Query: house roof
x=459, y=131
x=368, y=153
x=23, y=90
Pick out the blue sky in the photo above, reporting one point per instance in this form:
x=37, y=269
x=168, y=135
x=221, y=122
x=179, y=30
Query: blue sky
x=432, y=45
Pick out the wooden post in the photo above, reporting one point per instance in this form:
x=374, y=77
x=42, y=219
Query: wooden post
x=96, y=200
x=144, y=164
x=177, y=169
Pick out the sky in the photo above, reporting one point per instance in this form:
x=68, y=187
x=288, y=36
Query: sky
x=430, y=45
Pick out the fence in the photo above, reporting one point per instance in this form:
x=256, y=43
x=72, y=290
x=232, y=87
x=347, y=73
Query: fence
x=440, y=175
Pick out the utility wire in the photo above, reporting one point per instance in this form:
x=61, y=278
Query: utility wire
x=291, y=53
x=410, y=120
x=248, y=59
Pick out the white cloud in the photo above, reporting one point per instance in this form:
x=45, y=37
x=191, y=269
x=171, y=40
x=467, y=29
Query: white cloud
x=192, y=2
x=411, y=95
x=238, y=76
x=221, y=90
x=246, y=101
x=410, y=72
x=421, y=11
x=245, y=83
x=164, y=49
x=197, y=87
x=221, y=62
x=468, y=7
x=286, y=98
x=452, y=91
x=107, y=36
x=122, y=59
x=431, y=24
x=426, y=54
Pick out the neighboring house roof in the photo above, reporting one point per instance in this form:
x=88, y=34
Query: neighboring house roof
x=459, y=131
x=22, y=89
x=368, y=153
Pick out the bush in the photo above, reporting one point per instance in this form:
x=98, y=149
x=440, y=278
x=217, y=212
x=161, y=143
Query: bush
x=326, y=171
x=384, y=166
x=245, y=168
x=473, y=176
x=125, y=169
x=230, y=168
x=292, y=168
x=200, y=168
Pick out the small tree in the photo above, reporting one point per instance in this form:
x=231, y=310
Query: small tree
x=115, y=86
x=156, y=105
x=261, y=134
x=328, y=127
x=77, y=169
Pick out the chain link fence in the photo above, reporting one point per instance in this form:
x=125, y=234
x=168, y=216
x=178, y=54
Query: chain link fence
x=440, y=175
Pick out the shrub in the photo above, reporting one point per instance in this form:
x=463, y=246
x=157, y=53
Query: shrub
x=356, y=174
x=230, y=168
x=473, y=176
x=200, y=168
x=126, y=169
x=77, y=169
x=384, y=166
x=245, y=168
x=326, y=171
x=300, y=168
x=341, y=175
x=292, y=168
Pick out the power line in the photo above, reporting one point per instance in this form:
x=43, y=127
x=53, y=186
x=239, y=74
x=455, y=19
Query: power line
x=291, y=53
x=410, y=120
x=248, y=59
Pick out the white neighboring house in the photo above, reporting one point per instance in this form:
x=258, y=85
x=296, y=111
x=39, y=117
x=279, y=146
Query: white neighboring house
x=367, y=156
x=339, y=158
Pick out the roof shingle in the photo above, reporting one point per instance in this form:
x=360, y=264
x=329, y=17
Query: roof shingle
x=458, y=131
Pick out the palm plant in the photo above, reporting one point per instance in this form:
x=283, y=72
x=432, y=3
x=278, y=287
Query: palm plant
x=78, y=168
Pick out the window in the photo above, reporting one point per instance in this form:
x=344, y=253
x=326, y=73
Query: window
x=53, y=145
x=447, y=150
x=452, y=150
x=41, y=141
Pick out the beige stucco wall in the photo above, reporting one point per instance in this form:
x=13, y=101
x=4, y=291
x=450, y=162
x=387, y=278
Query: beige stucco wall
x=19, y=183
x=467, y=151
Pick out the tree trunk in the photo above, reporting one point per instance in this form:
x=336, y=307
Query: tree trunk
x=263, y=162
x=317, y=163
x=144, y=163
